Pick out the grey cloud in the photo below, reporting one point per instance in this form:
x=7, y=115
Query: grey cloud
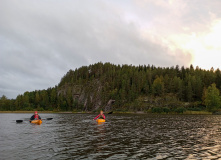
x=42, y=40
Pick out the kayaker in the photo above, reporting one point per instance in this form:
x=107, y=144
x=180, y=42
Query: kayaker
x=100, y=116
x=35, y=116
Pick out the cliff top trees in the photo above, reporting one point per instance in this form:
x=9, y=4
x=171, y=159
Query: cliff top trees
x=123, y=83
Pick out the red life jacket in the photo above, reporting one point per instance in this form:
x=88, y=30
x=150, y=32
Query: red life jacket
x=36, y=116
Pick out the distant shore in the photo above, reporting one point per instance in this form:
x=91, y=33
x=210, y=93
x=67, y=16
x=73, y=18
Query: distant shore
x=32, y=112
x=53, y=112
x=139, y=112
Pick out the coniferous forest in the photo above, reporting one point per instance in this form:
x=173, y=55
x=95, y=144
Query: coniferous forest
x=126, y=88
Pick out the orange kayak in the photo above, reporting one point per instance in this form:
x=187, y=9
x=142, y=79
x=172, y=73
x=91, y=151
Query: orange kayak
x=37, y=122
x=100, y=120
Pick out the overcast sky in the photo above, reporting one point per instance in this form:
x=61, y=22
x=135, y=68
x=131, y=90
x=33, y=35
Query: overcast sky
x=40, y=40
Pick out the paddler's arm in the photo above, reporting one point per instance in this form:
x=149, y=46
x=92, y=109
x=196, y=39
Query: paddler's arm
x=32, y=117
x=97, y=117
x=103, y=116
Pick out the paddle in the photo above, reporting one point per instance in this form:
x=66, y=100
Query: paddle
x=48, y=119
x=20, y=121
x=110, y=112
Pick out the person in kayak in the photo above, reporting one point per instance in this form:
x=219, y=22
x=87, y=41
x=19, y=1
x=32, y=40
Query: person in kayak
x=35, y=116
x=100, y=116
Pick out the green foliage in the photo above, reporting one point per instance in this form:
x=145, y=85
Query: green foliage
x=158, y=86
x=160, y=110
x=91, y=87
x=212, y=98
x=156, y=110
x=180, y=110
x=166, y=110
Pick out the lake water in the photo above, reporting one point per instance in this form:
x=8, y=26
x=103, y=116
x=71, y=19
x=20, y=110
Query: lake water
x=122, y=136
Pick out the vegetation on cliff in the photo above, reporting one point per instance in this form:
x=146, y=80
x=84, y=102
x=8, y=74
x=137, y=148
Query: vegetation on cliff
x=126, y=88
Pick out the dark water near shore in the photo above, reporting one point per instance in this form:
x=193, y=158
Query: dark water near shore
x=122, y=136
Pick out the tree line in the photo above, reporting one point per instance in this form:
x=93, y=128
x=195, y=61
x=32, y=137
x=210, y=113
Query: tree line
x=125, y=84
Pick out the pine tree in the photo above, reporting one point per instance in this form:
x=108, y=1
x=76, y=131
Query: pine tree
x=189, y=92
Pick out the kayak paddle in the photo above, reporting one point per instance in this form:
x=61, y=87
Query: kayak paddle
x=49, y=118
x=46, y=118
x=19, y=121
x=110, y=112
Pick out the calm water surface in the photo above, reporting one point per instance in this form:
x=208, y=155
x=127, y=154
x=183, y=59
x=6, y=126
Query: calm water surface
x=129, y=136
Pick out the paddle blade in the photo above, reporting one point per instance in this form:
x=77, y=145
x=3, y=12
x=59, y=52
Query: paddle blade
x=19, y=121
x=49, y=118
x=110, y=112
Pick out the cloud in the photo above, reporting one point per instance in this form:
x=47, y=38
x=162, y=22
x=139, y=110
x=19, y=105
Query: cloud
x=41, y=40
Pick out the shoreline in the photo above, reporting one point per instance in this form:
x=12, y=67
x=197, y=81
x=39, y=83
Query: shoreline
x=52, y=112
x=139, y=112
x=32, y=112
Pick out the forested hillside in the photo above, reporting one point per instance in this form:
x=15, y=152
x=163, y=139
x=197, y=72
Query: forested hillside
x=126, y=88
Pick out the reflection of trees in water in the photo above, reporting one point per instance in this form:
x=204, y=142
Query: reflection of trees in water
x=101, y=137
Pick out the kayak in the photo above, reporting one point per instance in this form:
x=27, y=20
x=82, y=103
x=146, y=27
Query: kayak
x=100, y=120
x=37, y=122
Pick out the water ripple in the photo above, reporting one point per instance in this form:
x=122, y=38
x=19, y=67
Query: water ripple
x=129, y=136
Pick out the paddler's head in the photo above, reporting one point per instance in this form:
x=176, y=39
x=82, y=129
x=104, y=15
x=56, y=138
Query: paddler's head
x=101, y=112
x=36, y=112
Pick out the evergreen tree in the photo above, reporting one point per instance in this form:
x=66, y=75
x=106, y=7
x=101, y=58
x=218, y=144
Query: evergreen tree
x=53, y=96
x=189, y=92
x=4, y=103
